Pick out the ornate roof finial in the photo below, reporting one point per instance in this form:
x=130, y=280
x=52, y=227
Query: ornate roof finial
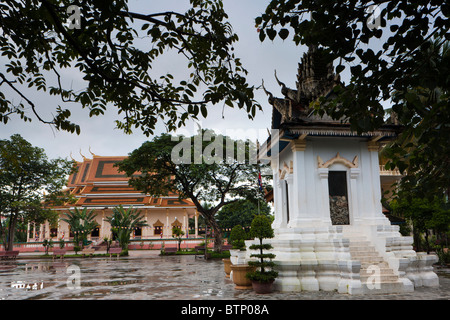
x=267, y=92
x=93, y=154
x=288, y=93
x=84, y=158
x=71, y=157
x=281, y=84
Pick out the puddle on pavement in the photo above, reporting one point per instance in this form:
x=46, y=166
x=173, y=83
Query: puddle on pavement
x=156, y=278
x=102, y=278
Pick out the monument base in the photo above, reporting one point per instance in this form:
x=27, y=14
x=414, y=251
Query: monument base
x=358, y=259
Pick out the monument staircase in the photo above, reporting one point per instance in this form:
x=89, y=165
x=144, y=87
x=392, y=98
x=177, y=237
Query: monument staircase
x=375, y=274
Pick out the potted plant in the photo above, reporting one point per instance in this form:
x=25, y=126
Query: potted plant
x=237, y=238
x=239, y=267
x=227, y=267
x=264, y=275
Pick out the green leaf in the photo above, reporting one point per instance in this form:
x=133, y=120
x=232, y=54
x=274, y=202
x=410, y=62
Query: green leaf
x=340, y=68
x=271, y=33
x=283, y=33
x=204, y=111
x=262, y=35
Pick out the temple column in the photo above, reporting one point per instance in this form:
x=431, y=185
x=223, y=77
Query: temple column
x=299, y=213
x=167, y=224
x=277, y=200
x=102, y=226
x=354, y=211
x=146, y=230
x=283, y=203
x=186, y=226
x=377, y=213
x=41, y=232
x=196, y=223
x=46, y=230
x=290, y=196
x=324, y=196
x=28, y=231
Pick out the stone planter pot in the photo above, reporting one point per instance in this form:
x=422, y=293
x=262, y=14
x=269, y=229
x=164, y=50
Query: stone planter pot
x=262, y=287
x=237, y=256
x=227, y=267
x=239, y=271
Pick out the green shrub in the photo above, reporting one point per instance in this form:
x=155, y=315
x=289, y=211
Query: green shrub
x=237, y=237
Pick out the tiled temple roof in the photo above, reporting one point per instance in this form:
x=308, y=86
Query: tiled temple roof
x=97, y=183
x=315, y=79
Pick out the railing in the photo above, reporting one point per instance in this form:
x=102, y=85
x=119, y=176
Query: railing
x=148, y=243
x=385, y=172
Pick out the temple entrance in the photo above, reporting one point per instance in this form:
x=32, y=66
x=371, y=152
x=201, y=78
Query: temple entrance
x=337, y=186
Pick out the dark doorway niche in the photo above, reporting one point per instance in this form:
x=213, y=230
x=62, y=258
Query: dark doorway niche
x=337, y=186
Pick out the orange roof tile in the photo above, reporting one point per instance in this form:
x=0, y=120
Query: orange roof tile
x=98, y=183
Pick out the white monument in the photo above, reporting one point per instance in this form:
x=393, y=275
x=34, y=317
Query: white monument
x=330, y=232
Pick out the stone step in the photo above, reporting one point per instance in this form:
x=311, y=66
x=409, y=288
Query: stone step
x=369, y=259
x=362, y=241
x=356, y=254
x=382, y=287
x=379, y=278
x=367, y=264
x=383, y=271
x=362, y=248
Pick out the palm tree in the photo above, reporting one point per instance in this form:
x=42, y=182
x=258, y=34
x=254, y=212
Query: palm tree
x=82, y=223
x=123, y=221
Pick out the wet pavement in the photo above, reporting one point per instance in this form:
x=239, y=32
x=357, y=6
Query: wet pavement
x=145, y=275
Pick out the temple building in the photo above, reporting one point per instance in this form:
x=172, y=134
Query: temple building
x=330, y=230
x=98, y=185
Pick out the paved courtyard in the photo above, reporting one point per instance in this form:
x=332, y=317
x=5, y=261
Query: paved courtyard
x=144, y=275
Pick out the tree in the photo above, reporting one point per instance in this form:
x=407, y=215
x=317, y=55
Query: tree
x=25, y=175
x=422, y=151
x=123, y=222
x=241, y=213
x=203, y=168
x=81, y=223
x=47, y=244
x=385, y=48
x=103, y=40
x=425, y=215
x=177, y=233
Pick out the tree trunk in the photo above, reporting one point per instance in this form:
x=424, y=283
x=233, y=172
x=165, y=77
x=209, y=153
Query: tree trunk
x=3, y=233
x=427, y=243
x=217, y=240
x=217, y=233
x=11, y=228
x=416, y=238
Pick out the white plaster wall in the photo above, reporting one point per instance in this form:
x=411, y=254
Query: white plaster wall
x=309, y=193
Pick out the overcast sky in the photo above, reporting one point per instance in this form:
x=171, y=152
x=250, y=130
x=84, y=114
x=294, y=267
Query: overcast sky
x=99, y=133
